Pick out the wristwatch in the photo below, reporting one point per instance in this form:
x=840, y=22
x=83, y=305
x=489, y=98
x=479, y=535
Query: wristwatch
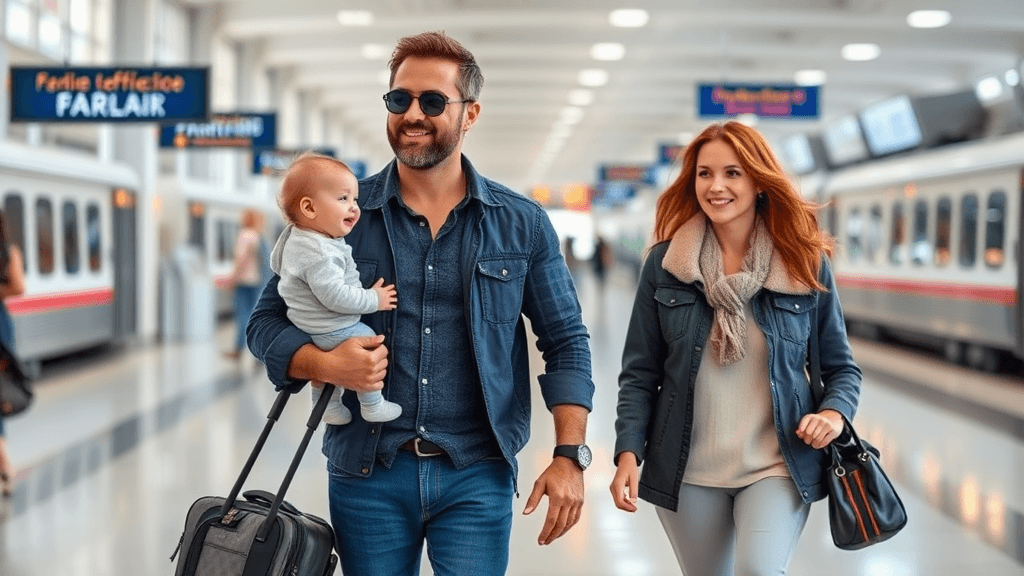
x=579, y=453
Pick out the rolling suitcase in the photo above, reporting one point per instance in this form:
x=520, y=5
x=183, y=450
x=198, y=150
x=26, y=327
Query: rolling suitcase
x=261, y=535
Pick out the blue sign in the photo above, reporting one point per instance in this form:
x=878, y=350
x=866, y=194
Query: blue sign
x=613, y=193
x=272, y=162
x=627, y=173
x=123, y=94
x=228, y=130
x=763, y=100
x=670, y=153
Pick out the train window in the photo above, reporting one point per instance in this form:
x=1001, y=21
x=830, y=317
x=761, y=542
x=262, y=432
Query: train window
x=995, y=229
x=899, y=234
x=943, y=228
x=44, y=231
x=69, y=220
x=968, y=229
x=92, y=231
x=920, y=247
x=14, y=219
x=854, y=234
x=874, y=236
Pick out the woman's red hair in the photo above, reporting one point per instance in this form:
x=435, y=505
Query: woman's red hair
x=791, y=220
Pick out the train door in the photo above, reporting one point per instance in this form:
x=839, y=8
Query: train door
x=126, y=263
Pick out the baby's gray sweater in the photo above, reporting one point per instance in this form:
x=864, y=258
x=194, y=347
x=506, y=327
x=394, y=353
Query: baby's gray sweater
x=319, y=281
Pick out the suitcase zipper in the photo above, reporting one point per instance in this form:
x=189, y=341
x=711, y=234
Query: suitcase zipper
x=178, y=547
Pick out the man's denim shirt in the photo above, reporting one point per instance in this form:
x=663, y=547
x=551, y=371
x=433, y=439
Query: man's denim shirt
x=512, y=268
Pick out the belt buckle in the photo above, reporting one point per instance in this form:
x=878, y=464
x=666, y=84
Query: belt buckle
x=416, y=449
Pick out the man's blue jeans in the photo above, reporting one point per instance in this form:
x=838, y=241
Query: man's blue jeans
x=465, y=516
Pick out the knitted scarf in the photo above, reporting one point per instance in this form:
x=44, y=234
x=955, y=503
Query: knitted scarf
x=729, y=294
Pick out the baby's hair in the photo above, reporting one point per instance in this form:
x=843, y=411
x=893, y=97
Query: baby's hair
x=302, y=179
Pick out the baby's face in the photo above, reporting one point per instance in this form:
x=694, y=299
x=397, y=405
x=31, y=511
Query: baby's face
x=335, y=203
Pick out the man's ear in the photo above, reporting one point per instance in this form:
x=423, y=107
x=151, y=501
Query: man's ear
x=307, y=208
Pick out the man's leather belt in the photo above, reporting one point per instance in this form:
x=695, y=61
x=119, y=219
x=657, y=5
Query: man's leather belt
x=423, y=448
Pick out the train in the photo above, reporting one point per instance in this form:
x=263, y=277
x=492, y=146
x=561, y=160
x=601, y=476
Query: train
x=929, y=248
x=75, y=219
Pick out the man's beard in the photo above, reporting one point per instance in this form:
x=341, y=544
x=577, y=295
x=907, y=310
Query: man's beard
x=425, y=157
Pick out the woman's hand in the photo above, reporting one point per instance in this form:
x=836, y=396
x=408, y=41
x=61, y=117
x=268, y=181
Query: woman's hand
x=819, y=430
x=624, y=485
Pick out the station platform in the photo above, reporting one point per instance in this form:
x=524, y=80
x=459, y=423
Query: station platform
x=121, y=441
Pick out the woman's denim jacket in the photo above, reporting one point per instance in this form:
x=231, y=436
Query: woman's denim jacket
x=512, y=267
x=667, y=331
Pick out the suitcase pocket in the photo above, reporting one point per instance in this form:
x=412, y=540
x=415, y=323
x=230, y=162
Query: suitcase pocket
x=226, y=546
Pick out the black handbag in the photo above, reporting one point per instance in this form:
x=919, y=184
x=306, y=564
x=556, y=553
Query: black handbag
x=863, y=507
x=15, y=384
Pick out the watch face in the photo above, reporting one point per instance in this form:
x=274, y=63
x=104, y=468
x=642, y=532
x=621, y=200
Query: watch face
x=584, y=455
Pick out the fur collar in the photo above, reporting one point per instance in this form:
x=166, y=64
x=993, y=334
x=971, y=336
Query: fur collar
x=682, y=260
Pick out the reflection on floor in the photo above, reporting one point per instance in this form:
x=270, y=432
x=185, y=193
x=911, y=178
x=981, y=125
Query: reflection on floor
x=116, y=449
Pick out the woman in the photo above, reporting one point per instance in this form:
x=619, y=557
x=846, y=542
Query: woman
x=12, y=283
x=713, y=396
x=247, y=275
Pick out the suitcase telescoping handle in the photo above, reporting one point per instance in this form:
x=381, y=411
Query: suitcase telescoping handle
x=275, y=413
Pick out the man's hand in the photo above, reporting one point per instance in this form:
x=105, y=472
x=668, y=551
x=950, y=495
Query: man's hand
x=357, y=364
x=562, y=481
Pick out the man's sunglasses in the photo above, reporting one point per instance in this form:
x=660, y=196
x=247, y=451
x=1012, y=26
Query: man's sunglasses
x=432, y=103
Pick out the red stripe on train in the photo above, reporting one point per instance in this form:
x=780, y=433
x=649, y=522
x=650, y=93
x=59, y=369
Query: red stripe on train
x=19, y=306
x=1001, y=295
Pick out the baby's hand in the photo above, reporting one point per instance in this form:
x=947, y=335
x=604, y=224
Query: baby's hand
x=387, y=298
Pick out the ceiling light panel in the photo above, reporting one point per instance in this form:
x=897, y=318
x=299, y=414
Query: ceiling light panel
x=607, y=51
x=355, y=17
x=593, y=77
x=929, y=18
x=861, y=52
x=629, y=18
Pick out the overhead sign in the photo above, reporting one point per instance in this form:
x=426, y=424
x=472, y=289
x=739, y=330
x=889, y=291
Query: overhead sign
x=763, y=100
x=122, y=94
x=613, y=193
x=227, y=130
x=274, y=162
x=626, y=173
x=670, y=153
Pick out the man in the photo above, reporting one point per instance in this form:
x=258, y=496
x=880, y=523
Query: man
x=469, y=259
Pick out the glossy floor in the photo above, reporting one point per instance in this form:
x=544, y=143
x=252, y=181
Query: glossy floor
x=120, y=443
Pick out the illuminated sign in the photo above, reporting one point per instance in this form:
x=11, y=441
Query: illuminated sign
x=123, y=94
x=763, y=100
x=228, y=130
x=626, y=173
x=670, y=153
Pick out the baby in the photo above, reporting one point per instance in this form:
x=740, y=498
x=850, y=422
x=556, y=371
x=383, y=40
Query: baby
x=319, y=280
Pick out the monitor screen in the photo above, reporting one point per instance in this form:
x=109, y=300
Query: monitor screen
x=796, y=152
x=890, y=126
x=844, y=142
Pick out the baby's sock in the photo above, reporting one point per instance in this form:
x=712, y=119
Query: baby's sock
x=336, y=412
x=382, y=411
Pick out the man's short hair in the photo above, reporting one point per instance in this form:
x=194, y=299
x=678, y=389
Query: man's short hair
x=439, y=45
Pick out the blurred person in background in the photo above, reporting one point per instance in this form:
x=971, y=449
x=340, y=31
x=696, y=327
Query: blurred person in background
x=12, y=283
x=714, y=399
x=247, y=276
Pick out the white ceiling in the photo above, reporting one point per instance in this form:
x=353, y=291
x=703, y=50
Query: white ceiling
x=531, y=52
